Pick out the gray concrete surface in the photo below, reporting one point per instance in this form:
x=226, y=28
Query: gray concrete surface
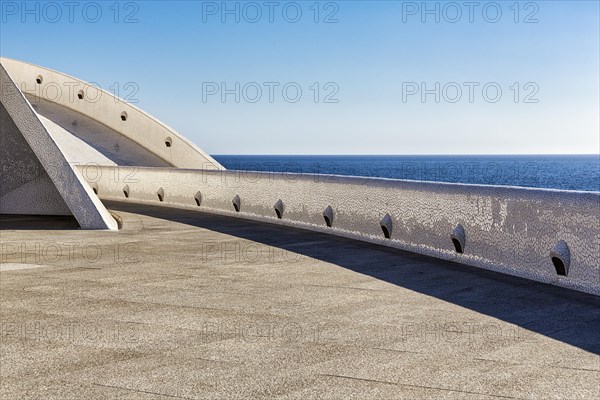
x=87, y=141
x=35, y=175
x=24, y=183
x=181, y=304
x=505, y=229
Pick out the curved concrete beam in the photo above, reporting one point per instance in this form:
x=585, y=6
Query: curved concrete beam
x=45, y=85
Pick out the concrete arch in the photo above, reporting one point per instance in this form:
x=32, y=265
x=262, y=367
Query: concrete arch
x=117, y=130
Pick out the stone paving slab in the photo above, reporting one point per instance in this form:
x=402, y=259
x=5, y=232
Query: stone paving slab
x=182, y=304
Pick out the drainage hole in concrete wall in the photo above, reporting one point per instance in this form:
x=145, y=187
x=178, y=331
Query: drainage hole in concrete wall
x=161, y=194
x=124, y=116
x=279, y=207
x=328, y=216
x=457, y=246
x=559, y=266
x=386, y=225
x=458, y=237
x=386, y=232
x=39, y=79
x=198, y=198
x=80, y=95
x=237, y=203
x=168, y=142
x=126, y=191
x=561, y=258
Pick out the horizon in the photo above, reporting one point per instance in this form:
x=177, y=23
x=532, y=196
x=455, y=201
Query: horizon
x=410, y=155
x=360, y=77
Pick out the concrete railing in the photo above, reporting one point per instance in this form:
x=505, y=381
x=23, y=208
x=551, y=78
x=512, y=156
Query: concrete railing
x=547, y=235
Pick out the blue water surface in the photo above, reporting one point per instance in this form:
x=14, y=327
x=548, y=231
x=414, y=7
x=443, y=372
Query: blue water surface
x=567, y=172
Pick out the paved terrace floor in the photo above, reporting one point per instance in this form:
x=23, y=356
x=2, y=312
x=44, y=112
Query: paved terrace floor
x=181, y=304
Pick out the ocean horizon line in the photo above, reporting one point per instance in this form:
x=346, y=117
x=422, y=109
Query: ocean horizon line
x=409, y=155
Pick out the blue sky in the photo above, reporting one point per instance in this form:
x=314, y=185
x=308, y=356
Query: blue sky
x=361, y=66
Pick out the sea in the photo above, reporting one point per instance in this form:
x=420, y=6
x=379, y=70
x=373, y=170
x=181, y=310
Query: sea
x=565, y=172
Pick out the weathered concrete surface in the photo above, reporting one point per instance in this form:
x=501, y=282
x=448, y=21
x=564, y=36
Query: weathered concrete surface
x=181, y=304
x=505, y=229
x=24, y=183
x=36, y=177
x=87, y=141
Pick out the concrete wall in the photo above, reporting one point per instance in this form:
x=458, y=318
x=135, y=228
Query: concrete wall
x=25, y=187
x=511, y=230
x=107, y=109
x=36, y=176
